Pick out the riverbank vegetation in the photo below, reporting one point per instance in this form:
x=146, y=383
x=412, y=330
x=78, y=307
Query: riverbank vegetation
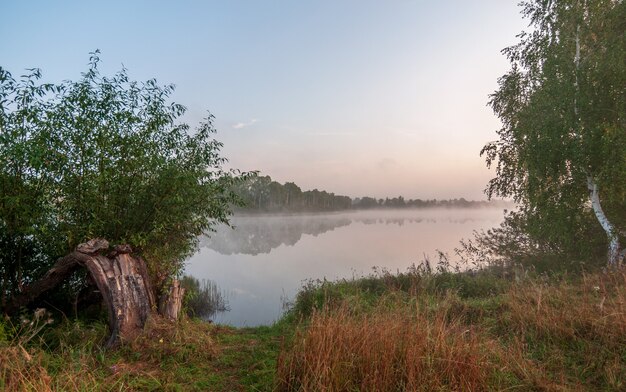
x=536, y=304
x=468, y=331
x=419, y=330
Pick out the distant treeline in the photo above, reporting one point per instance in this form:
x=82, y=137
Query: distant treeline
x=262, y=194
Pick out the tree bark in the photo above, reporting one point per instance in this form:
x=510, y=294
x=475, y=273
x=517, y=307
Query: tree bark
x=614, y=247
x=121, y=279
x=171, y=303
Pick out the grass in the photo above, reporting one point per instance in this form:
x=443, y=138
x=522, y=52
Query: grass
x=460, y=332
x=415, y=331
x=190, y=355
x=388, y=350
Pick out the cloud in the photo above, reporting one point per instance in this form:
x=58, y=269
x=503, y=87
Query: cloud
x=241, y=125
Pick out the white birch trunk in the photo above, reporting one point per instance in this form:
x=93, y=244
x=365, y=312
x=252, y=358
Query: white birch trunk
x=577, y=65
x=614, y=248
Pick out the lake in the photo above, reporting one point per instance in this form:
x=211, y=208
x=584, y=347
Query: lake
x=266, y=258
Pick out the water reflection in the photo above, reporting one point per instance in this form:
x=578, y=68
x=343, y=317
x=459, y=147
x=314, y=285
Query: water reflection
x=267, y=258
x=259, y=234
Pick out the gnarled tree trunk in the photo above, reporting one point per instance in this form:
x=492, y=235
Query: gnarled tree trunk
x=171, y=303
x=121, y=279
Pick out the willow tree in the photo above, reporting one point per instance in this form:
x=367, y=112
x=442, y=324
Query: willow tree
x=102, y=157
x=561, y=151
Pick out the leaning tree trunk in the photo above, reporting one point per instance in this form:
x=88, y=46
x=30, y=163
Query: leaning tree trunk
x=121, y=279
x=614, y=248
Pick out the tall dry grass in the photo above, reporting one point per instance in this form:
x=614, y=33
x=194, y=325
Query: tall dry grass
x=575, y=331
x=386, y=350
x=24, y=371
x=541, y=334
x=78, y=362
x=593, y=308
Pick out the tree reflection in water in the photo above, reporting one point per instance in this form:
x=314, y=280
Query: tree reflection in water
x=260, y=234
x=267, y=257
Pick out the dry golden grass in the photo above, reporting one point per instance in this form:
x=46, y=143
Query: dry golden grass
x=576, y=332
x=150, y=362
x=594, y=308
x=539, y=335
x=386, y=350
x=24, y=371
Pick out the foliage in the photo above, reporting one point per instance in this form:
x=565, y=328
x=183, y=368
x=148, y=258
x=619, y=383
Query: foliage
x=513, y=246
x=103, y=157
x=3, y=332
x=562, y=106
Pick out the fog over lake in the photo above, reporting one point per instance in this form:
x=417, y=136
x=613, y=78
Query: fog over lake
x=266, y=258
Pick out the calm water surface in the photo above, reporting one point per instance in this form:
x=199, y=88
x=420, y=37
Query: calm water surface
x=265, y=259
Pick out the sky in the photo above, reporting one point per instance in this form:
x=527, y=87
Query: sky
x=356, y=97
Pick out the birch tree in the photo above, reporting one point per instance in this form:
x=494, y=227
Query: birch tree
x=561, y=151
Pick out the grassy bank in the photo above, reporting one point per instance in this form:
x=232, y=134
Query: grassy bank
x=460, y=332
x=412, y=331
x=190, y=355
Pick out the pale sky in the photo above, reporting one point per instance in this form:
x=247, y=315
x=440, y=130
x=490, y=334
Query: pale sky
x=360, y=98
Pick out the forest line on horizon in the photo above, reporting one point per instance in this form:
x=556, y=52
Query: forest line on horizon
x=262, y=194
